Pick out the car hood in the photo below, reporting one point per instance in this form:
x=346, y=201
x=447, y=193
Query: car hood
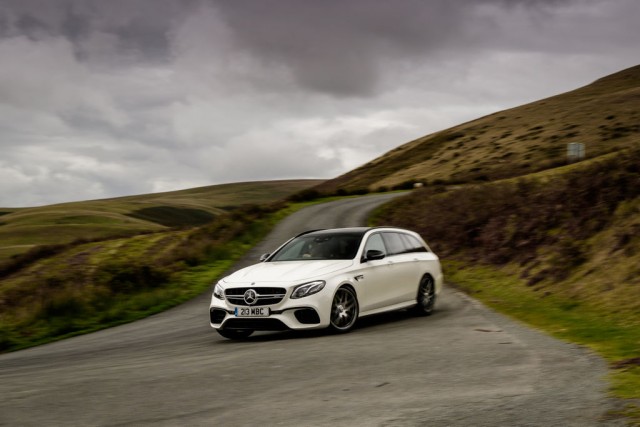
x=287, y=271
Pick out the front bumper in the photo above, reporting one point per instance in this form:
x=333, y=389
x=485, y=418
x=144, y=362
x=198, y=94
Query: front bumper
x=299, y=314
x=294, y=318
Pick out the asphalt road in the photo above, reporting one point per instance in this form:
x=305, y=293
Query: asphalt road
x=463, y=366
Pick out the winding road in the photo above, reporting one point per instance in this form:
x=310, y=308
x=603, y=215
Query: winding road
x=463, y=366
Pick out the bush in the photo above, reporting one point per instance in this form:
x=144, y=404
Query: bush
x=8, y=339
x=406, y=185
x=37, y=253
x=129, y=278
x=305, y=196
x=62, y=304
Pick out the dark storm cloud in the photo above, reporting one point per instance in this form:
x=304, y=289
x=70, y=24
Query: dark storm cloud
x=343, y=48
x=100, y=98
x=139, y=27
x=339, y=47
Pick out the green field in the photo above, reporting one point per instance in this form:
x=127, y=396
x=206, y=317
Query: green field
x=26, y=228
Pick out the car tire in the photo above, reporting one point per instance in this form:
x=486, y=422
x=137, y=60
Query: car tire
x=426, y=298
x=344, y=310
x=235, y=334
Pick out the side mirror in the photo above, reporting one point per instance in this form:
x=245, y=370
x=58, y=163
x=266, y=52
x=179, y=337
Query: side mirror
x=264, y=257
x=373, y=255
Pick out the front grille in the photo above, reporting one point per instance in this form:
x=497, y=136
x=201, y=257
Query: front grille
x=255, y=324
x=217, y=316
x=265, y=296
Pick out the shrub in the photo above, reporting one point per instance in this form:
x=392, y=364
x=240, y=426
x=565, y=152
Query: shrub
x=360, y=191
x=128, y=278
x=305, y=195
x=8, y=338
x=19, y=262
x=62, y=303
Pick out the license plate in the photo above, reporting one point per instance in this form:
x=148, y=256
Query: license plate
x=252, y=311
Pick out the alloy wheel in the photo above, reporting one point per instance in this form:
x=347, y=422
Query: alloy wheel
x=344, y=310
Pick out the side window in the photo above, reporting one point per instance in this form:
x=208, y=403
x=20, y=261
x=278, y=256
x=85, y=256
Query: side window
x=413, y=244
x=375, y=243
x=394, y=243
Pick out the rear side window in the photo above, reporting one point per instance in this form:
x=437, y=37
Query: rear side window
x=394, y=243
x=401, y=243
x=413, y=244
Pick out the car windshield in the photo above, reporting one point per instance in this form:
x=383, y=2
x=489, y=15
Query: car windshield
x=320, y=247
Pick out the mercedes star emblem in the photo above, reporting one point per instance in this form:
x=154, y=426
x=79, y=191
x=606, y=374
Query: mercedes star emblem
x=250, y=297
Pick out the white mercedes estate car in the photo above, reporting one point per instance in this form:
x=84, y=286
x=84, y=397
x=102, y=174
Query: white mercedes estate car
x=328, y=279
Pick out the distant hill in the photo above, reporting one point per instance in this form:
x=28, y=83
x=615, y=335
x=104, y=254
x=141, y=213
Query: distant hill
x=22, y=229
x=533, y=137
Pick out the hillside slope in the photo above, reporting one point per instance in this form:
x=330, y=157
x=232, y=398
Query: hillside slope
x=23, y=229
x=560, y=251
x=554, y=245
x=576, y=232
x=603, y=115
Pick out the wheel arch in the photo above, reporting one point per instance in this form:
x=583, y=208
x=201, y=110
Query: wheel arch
x=347, y=285
x=348, y=288
x=428, y=274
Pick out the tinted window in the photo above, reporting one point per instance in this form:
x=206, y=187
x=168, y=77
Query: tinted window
x=293, y=250
x=412, y=244
x=394, y=243
x=375, y=243
x=321, y=246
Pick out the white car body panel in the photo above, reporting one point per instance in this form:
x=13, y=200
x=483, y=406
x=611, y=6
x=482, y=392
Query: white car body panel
x=293, y=271
x=380, y=285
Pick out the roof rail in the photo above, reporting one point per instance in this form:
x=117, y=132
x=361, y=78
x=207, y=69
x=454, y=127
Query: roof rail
x=386, y=226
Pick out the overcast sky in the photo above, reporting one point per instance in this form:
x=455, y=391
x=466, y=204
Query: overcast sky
x=108, y=98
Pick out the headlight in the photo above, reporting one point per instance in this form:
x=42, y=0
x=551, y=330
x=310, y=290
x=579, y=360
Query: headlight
x=218, y=292
x=307, y=289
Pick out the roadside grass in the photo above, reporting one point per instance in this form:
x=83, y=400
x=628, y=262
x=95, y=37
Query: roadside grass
x=96, y=285
x=614, y=338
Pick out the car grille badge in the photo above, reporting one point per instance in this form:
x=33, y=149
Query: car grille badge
x=250, y=297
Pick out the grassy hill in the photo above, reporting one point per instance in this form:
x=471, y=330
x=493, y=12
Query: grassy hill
x=559, y=250
x=516, y=142
x=554, y=244
x=90, y=265
x=24, y=229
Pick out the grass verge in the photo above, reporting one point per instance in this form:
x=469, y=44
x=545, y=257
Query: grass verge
x=615, y=339
x=98, y=285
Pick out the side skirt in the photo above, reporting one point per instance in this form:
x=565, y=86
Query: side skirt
x=388, y=308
